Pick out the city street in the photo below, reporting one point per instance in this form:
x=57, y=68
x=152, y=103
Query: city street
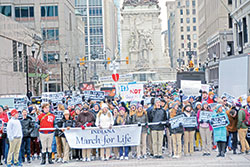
x=194, y=161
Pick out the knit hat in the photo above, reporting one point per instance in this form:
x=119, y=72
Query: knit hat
x=191, y=97
x=66, y=112
x=104, y=105
x=177, y=99
x=238, y=105
x=174, y=105
x=30, y=109
x=175, y=94
x=218, y=106
x=77, y=108
x=248, y=99
x=157, y=99
x=210, y=93
x=185, y=98
x=138, y=105
x=197, y=103
x=203, y=103
x=1, y=106
x=13, y=112
x=122, y=109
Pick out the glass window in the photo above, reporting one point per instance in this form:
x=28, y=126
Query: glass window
x=193, y=3
x=188, y=20
x=187, y=3
x=182, y=29
x=14, y=46
x=24, y=12
x=49, y=11
x=194, y=20
x=181, y=20
x=188, y=28
x=195, y=45
x=5, y=10
x=182, y=37
x=194, y=28
x=230, y=2
x=50, y=34
x=187, y=11
x=182, y=45
x=194, y=36
x=179, y=3
x=181, y=11
x=49, y=57
x=188, y=37
x=194, y=11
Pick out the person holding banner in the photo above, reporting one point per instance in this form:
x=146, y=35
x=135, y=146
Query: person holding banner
x=141, y=117
x=85, y=119
x=46, y=120
x=123, y=119
x=104, y=119
x=157, y=115
x=197, y=133
x=220, y=131
x=189, y=132
x=205, y=129
x=177, y=132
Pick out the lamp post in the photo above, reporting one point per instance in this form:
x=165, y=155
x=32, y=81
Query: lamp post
x=61, y=64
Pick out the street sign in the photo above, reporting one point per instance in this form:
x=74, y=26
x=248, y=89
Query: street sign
x=114, y=66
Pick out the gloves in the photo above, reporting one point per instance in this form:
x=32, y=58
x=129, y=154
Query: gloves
x=83, y=127
x=146, y=124
x=68, y=128
x=208, y=121
x=201, y=121
x=139, y=124
x=227, y=122
x=180, y=124
x=89, y=124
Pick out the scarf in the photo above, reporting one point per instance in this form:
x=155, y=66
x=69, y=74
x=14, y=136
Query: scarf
x=121, y=119
x=131, y=112
x=140, y=114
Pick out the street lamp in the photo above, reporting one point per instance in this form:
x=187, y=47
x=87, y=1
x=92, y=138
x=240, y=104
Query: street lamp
x=214, y=56
x=33, y=50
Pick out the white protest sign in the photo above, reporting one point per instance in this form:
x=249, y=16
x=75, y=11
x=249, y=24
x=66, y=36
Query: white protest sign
x=205, y=116
x=131, y=92
x=189, y=122
x=243, y=99
x=175, y=122
x=219, y=121
x=53, y=96
x=191, y=88
x=205, y=87
x=93, y=137
x=230, y=98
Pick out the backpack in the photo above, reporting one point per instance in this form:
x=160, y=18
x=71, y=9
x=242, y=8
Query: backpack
x=247, y=117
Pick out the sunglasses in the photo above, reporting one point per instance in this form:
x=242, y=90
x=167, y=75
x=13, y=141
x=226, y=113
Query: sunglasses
x=85, y=109
x=225, y=100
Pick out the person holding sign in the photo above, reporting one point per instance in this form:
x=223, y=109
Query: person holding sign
x=205, y=128
x=189, y=132
x=104, y=119
x=219, y=122
x=176, y=132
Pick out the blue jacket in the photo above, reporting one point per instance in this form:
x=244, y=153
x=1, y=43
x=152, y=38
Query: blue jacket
x=220, y=133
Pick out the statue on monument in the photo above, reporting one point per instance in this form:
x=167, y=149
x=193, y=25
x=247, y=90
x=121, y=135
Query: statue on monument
x=140, y=2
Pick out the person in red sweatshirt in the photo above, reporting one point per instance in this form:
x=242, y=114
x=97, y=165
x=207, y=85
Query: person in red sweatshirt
x=46, y=120
x=3, y=119
x=210, y=98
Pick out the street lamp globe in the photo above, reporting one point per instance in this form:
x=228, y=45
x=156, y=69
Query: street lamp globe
x=66, y=57
x=20, y=48
x=56, y=57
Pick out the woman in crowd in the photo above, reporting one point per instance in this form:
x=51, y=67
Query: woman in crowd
x=116, y=149
x=85, y=119
x=104, y=119
x=4, y=119
x=198, y=140
x=141, y=117
x=205, y=129
x=123, y=119
x=78, y=152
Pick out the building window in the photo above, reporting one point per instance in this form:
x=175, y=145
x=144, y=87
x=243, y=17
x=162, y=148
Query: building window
x=194, y=20
x=245, y=33
x=194, y=36
x=193, y=3
x=181, y=12
x=14, y=47
x=188, y=37
x=95, y=3
x=179, y=3
x=187, y=3
x=49, y=11
x=194, y=11
x=230, y=2
x=182, y=45
x=143, y=77
x=183, y=54
x=194, y=28
x=95, y=21
x=182, y=37
x=49, y=57
x=230, y=21
x=195, y=45
x=5, y=10
x=182, y=29
x=188, y=20
x=181, y=20
x=96, y=30
x=187, y=11
x=188, y=28
x=24, y=12
x=50, y=34
x=70, y=22
x=95, y=11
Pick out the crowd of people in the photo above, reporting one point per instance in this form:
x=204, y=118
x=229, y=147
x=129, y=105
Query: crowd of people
x=24, y=140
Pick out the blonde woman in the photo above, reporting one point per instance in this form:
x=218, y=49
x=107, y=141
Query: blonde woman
x=104, y=120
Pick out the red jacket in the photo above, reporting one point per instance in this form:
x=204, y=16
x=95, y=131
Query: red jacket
x=4, y=118
x=209, y=101
x=46, y=121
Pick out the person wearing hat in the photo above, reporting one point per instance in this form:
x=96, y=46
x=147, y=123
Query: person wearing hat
x=67, y=122
x=4, y=119
x=205, y=130
x=122, y=119
x=232, y=128
x=15, y=135
x=220, y=133
x=141, y=117
x=46, y=120
x=189, y=132
x=85, y=119
x=157, y=115
x=104, y=119
x=210, y=97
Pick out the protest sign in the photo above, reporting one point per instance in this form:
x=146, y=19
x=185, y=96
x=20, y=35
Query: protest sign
x=189, y=122
x=94, y=95
x=68, y=92
x=230, y=98
x=58, y=115
x=94, y=137
x=109, y=92
x=191, y=88
x=87, y=86
x=205, y=116
x=219, y=121
x=55, y=97
x=205, y=87
x=175, y=122
x=131, y=92
x=243, y=99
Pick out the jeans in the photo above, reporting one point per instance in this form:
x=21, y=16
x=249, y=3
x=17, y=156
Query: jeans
x=25, y=148
x=234, y=136
x=126, y=151
x=54, y=144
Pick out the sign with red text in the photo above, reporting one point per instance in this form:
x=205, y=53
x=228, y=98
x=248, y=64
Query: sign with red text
x=131, y=92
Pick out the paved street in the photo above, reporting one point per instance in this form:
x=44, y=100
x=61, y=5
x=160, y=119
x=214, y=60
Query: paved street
x=194, y=161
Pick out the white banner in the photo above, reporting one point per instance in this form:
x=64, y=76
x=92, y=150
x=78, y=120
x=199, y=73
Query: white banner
x=95, y=137
x=131, y=92
x=191, y=88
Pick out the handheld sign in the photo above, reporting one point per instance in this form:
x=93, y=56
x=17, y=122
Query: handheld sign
x=175, y=122
x=205, y=116
x=58, y=115
x=189, y=122
x=94, y=95
x=219, y=121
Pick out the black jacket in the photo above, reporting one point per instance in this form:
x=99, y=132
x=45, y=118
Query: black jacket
x=27, y=127
x=157, y=115
x=67, y=123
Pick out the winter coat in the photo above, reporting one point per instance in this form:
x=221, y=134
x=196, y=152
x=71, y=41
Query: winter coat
x=157, y=115
x=141, y=119
x=104, y=120
x=180, y=129
x=27, y=127
x=34, y=132
x=192, y=114
x=198, y=120
x=241, y=118
x=122, y=120
x=232, y=127
x=67, y=123
x=84, y=118
x=220, y=133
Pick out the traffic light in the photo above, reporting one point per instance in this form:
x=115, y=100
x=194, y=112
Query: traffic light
x=127, y=60
x=108, y=59
x=191, y=64
x=82, y=61
x=196, y=69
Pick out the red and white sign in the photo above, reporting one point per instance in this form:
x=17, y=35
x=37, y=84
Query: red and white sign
x=131, y=92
